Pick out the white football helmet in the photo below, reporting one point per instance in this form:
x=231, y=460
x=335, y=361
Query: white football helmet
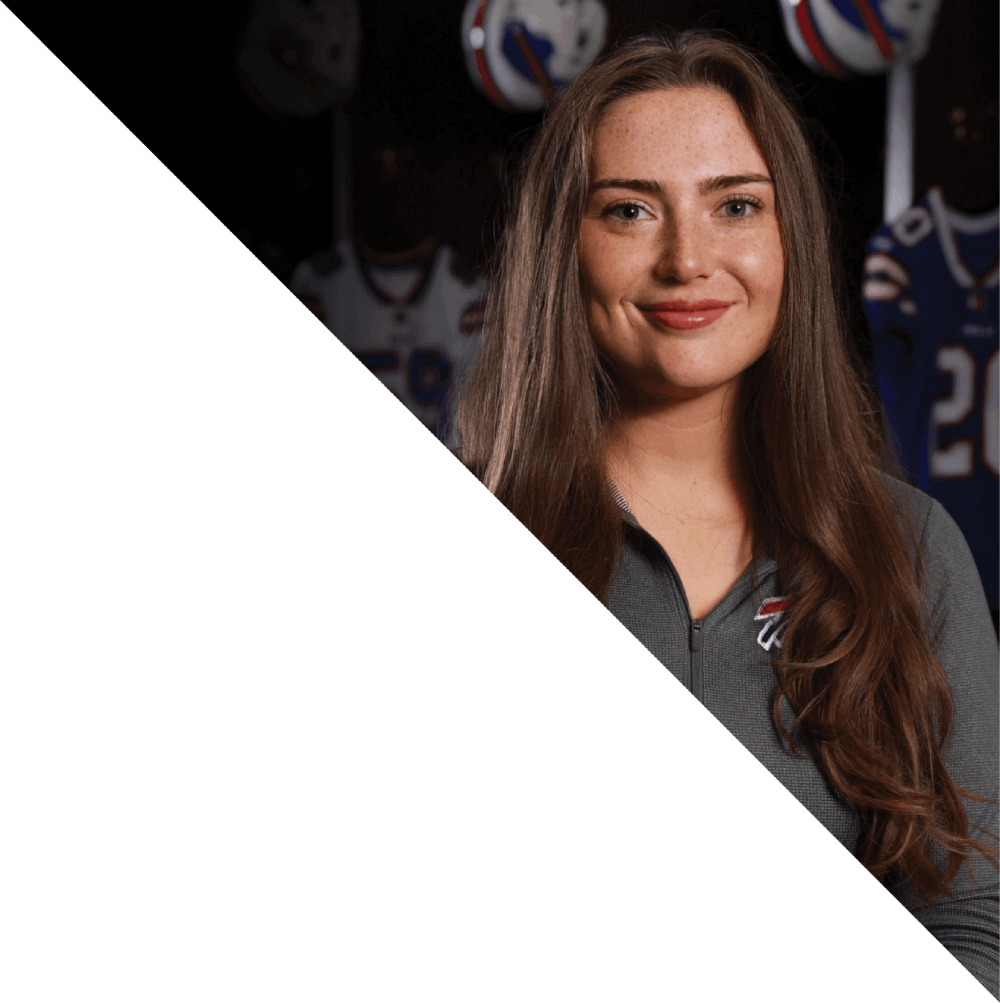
x=841, y=38
x=520, y=52
x=298, y=59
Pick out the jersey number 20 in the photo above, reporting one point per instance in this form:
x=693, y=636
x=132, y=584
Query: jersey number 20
x=957, y=459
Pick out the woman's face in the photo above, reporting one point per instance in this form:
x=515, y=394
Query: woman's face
x=680, y=250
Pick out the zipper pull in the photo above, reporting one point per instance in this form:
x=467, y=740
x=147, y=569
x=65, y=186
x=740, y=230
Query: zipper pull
x=696, y=626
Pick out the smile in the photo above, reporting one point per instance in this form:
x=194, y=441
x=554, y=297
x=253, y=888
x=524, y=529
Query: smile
x=684, y=316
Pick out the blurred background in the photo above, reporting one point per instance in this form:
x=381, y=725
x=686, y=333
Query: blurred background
x=426, y=146
x=359, y=150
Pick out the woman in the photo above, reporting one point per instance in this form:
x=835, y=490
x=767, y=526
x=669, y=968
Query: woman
x=667, y=399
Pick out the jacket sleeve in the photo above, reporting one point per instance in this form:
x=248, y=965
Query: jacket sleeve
x=967, y=925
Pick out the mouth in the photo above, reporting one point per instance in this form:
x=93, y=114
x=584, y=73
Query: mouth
x=685, y=315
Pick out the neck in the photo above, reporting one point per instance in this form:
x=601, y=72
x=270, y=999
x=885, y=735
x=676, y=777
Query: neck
x=679, y=442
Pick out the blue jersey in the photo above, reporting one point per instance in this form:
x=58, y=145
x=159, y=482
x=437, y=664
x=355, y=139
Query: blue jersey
x=930, y=293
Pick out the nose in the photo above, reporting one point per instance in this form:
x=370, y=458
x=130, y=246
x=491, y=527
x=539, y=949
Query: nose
x=685, y=249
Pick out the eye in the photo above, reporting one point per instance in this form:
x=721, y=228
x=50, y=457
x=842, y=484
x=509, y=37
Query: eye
x=626, y=212
x=740, y=207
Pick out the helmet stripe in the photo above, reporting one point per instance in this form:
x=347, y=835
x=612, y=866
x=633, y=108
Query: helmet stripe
x=484, y=71
x=810, y=36
x=874, y=26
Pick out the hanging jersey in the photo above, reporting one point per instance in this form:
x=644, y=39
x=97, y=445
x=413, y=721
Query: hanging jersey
x=414, y=323
x=930, y=293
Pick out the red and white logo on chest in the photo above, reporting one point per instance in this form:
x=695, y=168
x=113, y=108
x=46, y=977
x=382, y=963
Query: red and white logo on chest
x=771, y=611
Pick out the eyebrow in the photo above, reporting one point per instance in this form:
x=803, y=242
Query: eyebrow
x=715, y=184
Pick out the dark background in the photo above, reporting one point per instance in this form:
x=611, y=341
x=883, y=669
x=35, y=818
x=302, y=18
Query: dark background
x=174, y=85
x=428, y=151
x=415, y=108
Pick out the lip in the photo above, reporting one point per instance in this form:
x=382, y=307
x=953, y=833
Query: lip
x=685, y=315
x=687, y=306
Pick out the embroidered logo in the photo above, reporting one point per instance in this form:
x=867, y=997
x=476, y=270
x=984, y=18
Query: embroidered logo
x=771, y=612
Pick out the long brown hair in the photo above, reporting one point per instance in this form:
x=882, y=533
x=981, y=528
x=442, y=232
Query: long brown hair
x=534, y=420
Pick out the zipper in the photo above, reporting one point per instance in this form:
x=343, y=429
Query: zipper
x=695, y=640
x=695, y=628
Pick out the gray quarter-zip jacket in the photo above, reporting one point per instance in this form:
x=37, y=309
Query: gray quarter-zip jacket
x=726, y=661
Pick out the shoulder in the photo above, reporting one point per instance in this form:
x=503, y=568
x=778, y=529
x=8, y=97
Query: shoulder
x=936, y=532
x=910, y=501
x=954, y=586
x=966, y=647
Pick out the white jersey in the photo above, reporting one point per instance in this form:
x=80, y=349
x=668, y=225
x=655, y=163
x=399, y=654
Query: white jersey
x=414, y=322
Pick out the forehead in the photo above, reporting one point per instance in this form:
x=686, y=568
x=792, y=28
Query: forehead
x=697, y=128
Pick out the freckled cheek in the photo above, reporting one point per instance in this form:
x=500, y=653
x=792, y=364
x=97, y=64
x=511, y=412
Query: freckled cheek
x=602, y=285
x=608, y=275
x=763, y=273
